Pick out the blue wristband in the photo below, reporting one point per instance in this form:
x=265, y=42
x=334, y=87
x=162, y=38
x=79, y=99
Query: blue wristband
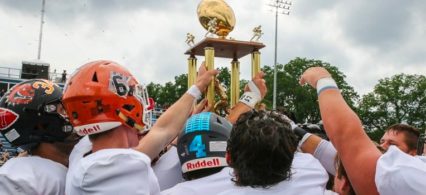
x=325, y=83
x=325, y=88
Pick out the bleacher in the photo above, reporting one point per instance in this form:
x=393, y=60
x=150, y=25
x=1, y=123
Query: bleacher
x=156, y=113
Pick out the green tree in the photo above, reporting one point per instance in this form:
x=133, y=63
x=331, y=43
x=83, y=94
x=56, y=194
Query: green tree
x=399, y=99
x=154, y=91
x=170, y=92
x=181, y=86
x=225, y=76
x=302, y=100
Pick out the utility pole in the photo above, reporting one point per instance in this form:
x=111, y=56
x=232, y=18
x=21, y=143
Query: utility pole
x=41, y=29
x=281, y=7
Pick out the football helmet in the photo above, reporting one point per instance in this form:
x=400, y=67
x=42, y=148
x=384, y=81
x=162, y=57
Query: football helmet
x=31, y=112
x=103, y=95
x=202, y=143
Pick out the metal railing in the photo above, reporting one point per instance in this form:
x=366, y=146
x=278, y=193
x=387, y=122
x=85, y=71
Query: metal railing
x=10, y=72
x=16, y=74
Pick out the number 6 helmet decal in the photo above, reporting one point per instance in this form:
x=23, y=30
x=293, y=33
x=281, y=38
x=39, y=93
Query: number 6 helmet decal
x=202, y=144
x=102, y=95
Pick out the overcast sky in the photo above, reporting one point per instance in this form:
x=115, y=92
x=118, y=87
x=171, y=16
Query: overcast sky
x=365, y=39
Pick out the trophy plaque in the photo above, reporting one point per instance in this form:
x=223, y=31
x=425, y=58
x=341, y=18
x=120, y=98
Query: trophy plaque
x=219, y=20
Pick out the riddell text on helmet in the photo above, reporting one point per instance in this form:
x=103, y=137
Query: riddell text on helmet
x=89, y=130
x=214, y=162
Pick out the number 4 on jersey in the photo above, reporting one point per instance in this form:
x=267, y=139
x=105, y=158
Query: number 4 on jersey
x=197, y=146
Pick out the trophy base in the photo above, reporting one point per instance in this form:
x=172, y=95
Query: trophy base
x=225, y=48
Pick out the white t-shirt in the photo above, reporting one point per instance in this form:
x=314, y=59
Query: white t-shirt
x=168, y=169
x=308, y=177
x=32, y=175
x=210, y=185
x=113, y=171
x=399, y=173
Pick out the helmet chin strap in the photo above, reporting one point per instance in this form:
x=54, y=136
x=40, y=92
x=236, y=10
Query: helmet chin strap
x=131, y=122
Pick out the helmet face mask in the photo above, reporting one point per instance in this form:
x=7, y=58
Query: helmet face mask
x=103, y=95
x=141, y=93
x=28, y=116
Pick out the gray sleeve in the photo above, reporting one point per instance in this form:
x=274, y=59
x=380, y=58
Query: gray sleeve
x=326, y=153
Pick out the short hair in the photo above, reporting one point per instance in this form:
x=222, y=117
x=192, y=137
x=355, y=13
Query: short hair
x=261, y=149
x=341, y=172
x=411, y=134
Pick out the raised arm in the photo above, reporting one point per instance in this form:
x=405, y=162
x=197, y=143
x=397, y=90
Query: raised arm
x=170, y=123
x=255, y=91
x=344, y=128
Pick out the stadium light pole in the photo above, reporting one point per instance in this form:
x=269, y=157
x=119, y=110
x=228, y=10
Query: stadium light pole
x=281, y=7
x=40, y=36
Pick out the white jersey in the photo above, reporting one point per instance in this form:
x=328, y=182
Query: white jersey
x=83, y=147
x=400, y=173
x=113, y=171
x=308, y=177
x=329, y=192
x=210, y=185
x=32, y=175
x=168, y=169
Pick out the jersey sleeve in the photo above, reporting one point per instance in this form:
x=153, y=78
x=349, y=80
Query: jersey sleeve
x=400, y=173
x=326, y=153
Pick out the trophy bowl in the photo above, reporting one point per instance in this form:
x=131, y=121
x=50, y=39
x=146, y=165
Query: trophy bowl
x=209, y=9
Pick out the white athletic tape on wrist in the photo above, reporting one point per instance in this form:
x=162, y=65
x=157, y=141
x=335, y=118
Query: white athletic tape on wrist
x=250, y=98
x=253, y=88
x=194, y=92
x=326, y=83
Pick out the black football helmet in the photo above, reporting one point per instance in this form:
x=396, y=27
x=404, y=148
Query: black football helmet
x=31, y=112
x=202, y=143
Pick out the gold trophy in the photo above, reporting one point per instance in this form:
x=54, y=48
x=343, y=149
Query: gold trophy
x=219, y=20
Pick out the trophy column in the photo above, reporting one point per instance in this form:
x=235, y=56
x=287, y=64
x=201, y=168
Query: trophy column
x=255, y=63
x=209, y=55
x=235, y=81
x=192, y=70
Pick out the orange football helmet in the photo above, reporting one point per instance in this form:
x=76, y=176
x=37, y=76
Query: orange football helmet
x=103, y=95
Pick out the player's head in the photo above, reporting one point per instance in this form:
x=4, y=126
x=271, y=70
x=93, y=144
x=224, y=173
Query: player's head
x=202, y=145
x=403, y=136
x=103, y=95
x=342, y=185
x=261, y=149
x=31, y=112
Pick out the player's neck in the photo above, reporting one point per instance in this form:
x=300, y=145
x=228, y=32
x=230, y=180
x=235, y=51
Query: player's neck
x=116, y=138
x=49, y=151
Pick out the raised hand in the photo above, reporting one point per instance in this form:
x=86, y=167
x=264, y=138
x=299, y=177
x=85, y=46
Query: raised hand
x=205, y=77
x=312, y=75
